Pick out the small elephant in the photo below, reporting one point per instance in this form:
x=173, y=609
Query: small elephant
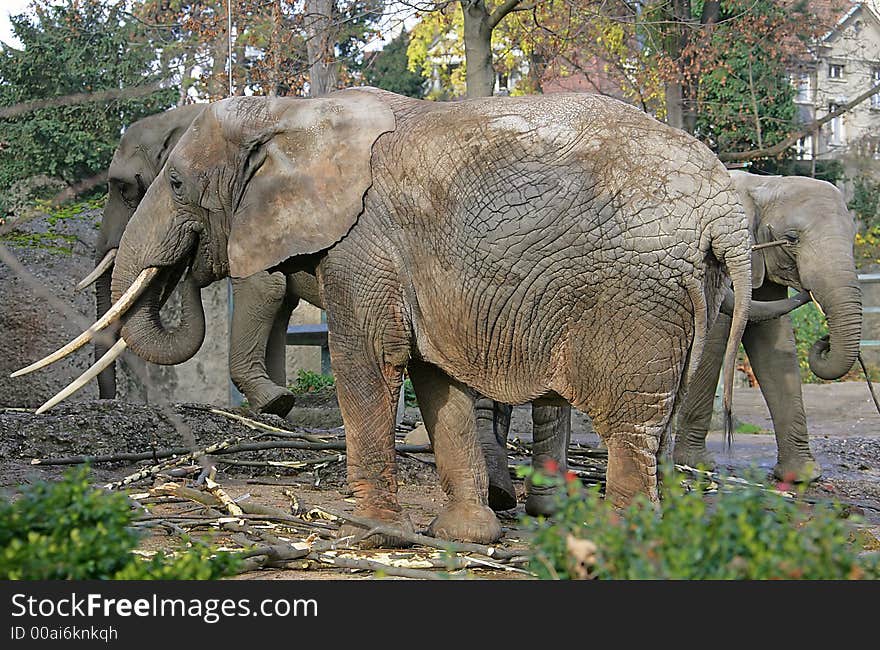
x=810, y=217
x=563, y=248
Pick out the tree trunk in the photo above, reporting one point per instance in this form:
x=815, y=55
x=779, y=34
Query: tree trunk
x=321, y=46
x=478, y=49
x=274, y=82
x=218, y=84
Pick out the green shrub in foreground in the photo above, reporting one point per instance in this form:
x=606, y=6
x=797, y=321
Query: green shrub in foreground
x=68, y=530
x=747, y=533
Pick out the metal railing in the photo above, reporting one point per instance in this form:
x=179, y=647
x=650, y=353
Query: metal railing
x=869, y=278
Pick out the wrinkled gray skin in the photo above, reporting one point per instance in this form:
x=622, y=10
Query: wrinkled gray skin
x=811, y=215
x=262, y=302
x=542, y=221
x=141, y=153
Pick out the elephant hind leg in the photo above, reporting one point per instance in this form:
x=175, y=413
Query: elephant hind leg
x=694, y=417
x=448, y=410
x=493, y=426
x=551, y=432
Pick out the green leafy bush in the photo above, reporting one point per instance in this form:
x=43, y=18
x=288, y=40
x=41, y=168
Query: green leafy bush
x=748, y=533
x=68, y=530
x=308, y=381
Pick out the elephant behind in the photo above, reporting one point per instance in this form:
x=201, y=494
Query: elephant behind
x=810, y=219
x=553, y=248
x=140, y=155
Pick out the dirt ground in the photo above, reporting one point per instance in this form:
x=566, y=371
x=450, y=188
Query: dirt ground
x=842, y=420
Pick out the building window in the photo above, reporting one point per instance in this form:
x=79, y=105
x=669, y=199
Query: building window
x=836, y=135
x=804, y=148
x=835, y=71
x=875, y=79
x=803, y=88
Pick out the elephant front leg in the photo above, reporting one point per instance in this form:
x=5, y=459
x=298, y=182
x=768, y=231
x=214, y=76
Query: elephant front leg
x=695, y=415
x=368, y=387
x=773, y=355
x=257, y=302
x=493, y=426
x=551, y=432
x=447, y=408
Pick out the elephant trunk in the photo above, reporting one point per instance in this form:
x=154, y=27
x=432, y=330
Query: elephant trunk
x=107, y=378
x=832, y=357
x=167, y=244
x=150, y=339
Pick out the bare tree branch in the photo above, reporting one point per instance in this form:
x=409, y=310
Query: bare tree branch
x=780, y=147
x=80, y=98
x=498, y=15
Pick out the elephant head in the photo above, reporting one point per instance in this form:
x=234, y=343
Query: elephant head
x=810, y=219
x=283, y=177
x=141, y=153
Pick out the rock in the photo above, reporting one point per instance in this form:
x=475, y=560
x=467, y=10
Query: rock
x=418, y=436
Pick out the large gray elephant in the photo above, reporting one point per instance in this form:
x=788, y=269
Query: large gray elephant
x=263, y=302
x=811, y=218
x=564, y=247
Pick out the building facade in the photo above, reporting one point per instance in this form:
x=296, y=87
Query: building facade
x=844, y=64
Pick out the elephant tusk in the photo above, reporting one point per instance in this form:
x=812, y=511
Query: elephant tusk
x=115, y=312
x=818, y=306
x=96, y=369
x=99, y=270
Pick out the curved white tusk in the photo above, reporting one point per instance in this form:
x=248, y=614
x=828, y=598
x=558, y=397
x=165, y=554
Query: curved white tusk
x=816, y=302
x=119, y=307
x=108, y=358
x=98, y=271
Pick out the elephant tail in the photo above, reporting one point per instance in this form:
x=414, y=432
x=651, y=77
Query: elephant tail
x=739, y=269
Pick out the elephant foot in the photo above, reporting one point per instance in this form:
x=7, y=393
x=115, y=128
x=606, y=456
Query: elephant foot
x=273, y=399
x=467, y=522
x=542, y=504
x=798, y=470
x=379, y=540
x=693, y=456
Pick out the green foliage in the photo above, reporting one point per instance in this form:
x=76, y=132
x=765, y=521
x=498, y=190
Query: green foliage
x=409, y=394
x=388, y=69
x=308, y=381
x=746, y=100
x=747, y=534
x=52, y=240
x=71, y=47
x=69, y=531
x=866, y=200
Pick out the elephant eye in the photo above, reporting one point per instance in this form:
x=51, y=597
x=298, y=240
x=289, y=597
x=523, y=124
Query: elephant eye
x=791, y=237
x=175, y=181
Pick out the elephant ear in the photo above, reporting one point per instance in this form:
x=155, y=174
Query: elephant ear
x=312, y=171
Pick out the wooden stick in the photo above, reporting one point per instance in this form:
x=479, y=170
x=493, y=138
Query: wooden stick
x=182, y=454
x=381, y=528
x=372, y=565
x=870, y=385
x=254, y=424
